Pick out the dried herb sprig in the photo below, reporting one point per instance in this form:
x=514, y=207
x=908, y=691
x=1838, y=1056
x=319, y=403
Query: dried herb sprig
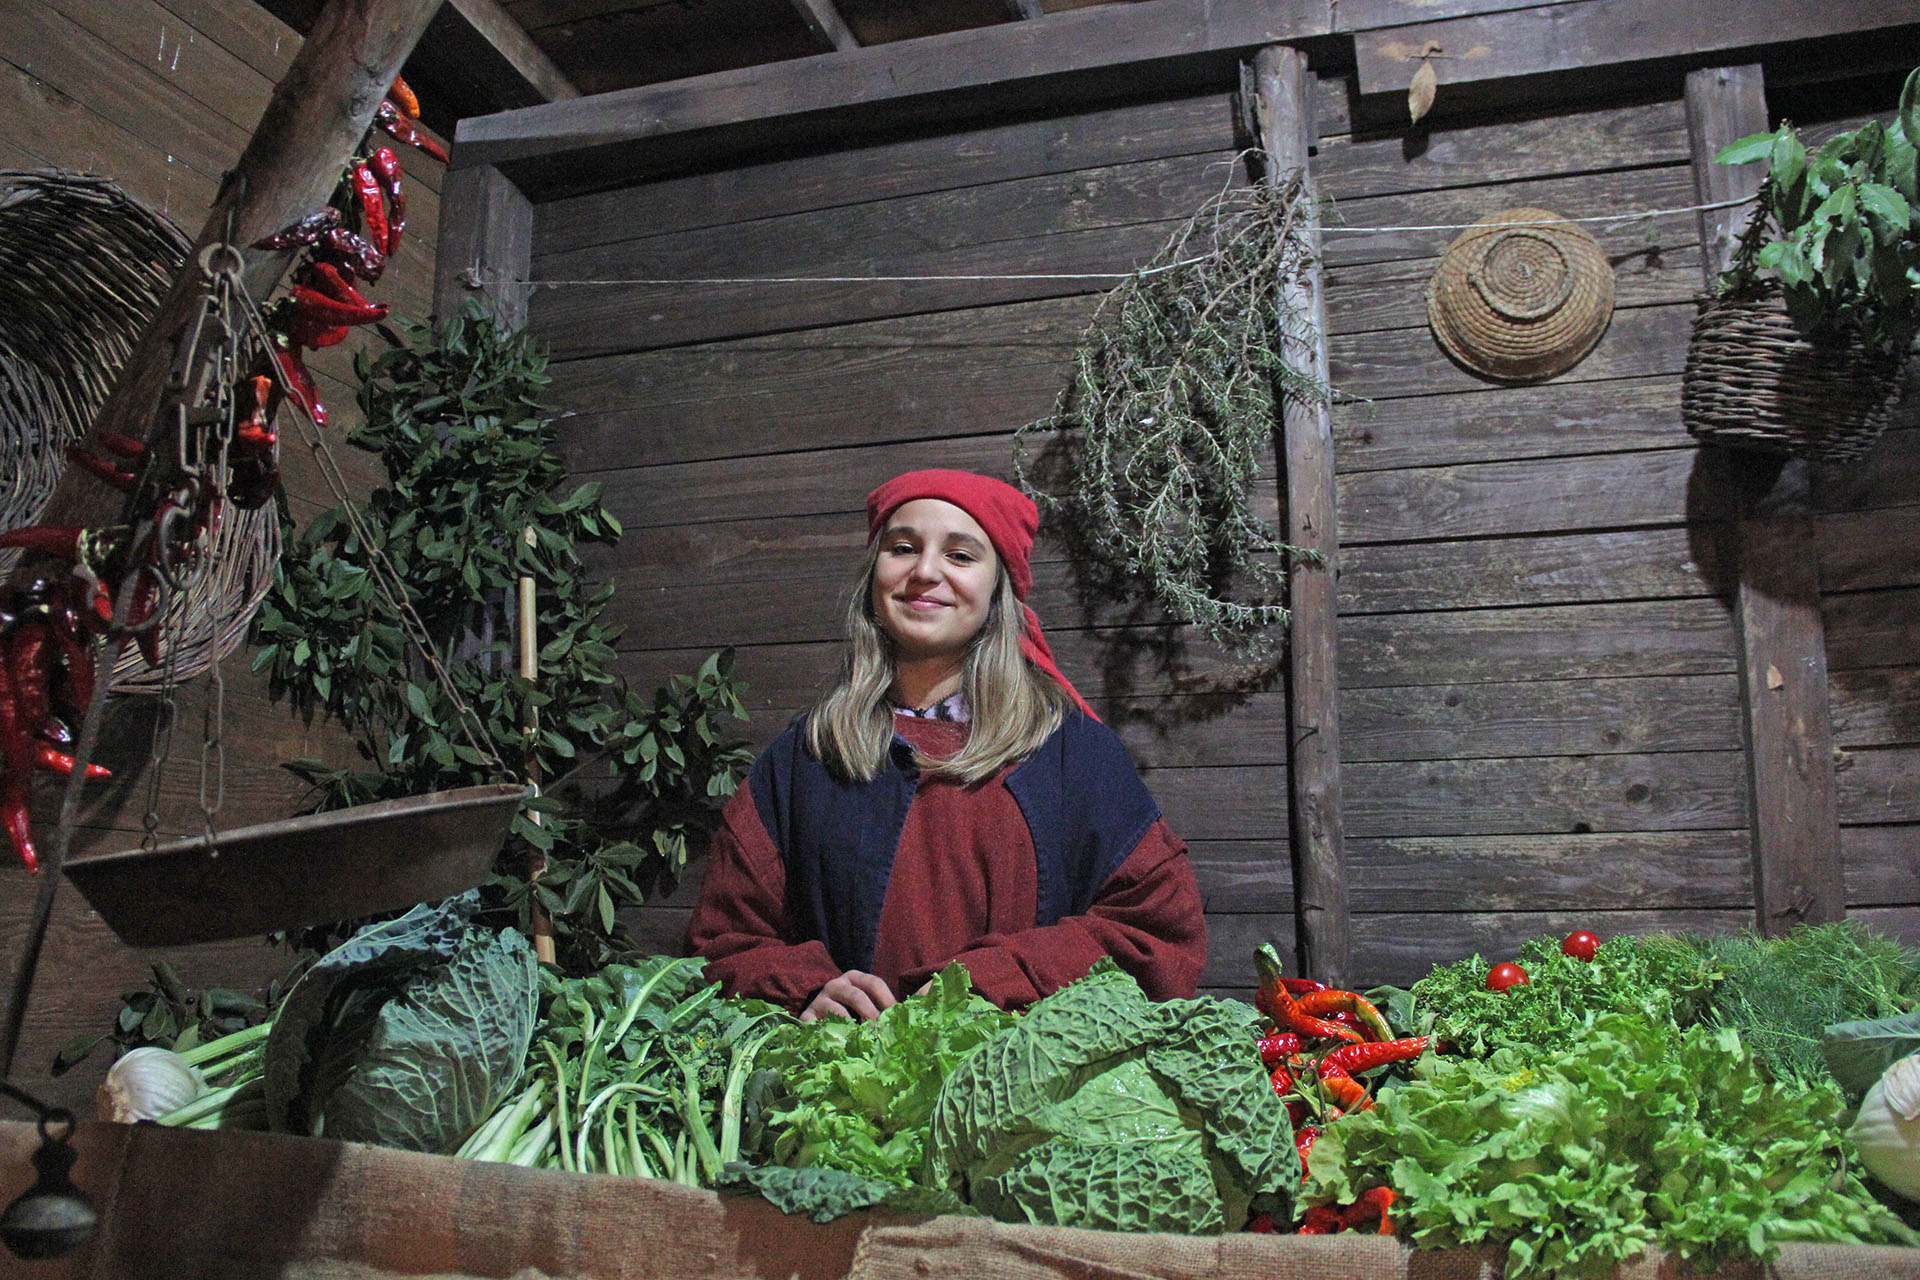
x=1178, y=386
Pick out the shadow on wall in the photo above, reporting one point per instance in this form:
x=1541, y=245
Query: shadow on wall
x=1152, y=672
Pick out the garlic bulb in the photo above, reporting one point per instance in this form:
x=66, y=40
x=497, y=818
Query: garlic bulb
x=145, y=1084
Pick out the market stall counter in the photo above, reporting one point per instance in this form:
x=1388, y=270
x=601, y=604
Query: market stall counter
x=232, y=1205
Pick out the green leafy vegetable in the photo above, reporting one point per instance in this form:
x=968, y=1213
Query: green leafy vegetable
x=1563, y=994
x=1641, y=1135
x=1859, y=1053
x=408, y=1034
x=1101, y=1108
x=638, y=1069
x=1782, y=993
x=857, y=1096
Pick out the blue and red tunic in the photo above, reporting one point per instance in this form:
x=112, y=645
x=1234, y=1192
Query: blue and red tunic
x=1027, y=878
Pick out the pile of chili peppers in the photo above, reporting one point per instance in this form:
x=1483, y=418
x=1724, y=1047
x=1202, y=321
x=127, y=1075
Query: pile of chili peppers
x=1319, y=1043
x=50, y=629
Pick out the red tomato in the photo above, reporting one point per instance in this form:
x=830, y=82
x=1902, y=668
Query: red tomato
x=1504, y=975
x=1580, y=944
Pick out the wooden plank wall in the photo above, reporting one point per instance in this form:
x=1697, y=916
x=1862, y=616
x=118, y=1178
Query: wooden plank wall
x=162, y=95
x=738, y=428
x=1540, y=705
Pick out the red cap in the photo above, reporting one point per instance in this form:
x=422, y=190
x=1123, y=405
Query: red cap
x=1010, y=521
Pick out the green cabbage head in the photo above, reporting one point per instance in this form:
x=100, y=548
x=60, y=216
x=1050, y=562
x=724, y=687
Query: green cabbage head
x=1104, y=1109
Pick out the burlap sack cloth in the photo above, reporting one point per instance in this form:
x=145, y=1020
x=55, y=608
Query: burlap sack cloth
x=222, y=1206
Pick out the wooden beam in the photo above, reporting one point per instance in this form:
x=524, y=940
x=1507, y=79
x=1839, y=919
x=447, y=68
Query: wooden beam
x=510, y=45
x=1580, y=37
x=824, y=20
x=486, y=245
x=617, y=138
x=1792, y=810
x=1283, y=120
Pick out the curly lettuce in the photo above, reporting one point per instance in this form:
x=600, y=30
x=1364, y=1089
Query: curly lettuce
x=1638, y=1135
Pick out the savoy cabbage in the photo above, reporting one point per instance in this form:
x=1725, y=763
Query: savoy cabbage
x=1102, y=1108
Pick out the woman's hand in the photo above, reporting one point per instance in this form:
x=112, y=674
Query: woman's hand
x=851, y=995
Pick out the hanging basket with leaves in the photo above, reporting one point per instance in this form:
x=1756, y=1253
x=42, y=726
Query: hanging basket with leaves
x=1801, y=351
x=1153, y=453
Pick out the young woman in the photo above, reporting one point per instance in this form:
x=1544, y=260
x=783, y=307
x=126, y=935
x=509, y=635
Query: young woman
x=952, y=798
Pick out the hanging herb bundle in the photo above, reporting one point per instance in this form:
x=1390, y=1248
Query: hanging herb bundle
x=1177, y=390
x=456, y=419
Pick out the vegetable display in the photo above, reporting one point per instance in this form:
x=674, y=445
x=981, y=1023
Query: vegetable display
x=1640, y=1135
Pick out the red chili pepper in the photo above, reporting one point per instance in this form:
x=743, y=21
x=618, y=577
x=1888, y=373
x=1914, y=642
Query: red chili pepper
x=324, y=277
x=74, y=691
x=1273, y=1048
x=373, y=206
x=388, y=117
x=1321, y=1220
x=1282, y=1079
x=385, y=164
x=1345, y=1092
x=1303, y=1138
x=314, y=335
x=306, y=397
x=1369, y=1212
x=308, y=230
x=59, y=762
x=61, y=540
x=1272, y=999
x=1302, y=986
x=404, y=97
x=102, y=468
x=122, y=445
x=311, y=304
x=1321, y=1004
x=355, y=254
x=1355, y=1058
x=16, y=784
x=1261, y=1224
x=30, y=666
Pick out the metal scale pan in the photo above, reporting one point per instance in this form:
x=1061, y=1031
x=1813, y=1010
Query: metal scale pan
x=299, y=871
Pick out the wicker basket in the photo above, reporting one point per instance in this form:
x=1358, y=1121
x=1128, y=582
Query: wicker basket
x=1521, y=296
x=1754, y=382
x=83, y=267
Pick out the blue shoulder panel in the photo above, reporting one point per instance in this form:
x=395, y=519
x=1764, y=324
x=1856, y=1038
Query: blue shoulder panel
x=1086, y=808
x=837, y=839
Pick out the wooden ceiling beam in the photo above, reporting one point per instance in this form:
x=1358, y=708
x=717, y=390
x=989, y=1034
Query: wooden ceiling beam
x=512, y=47
x=1579, y=37
x=1015, y=66
x=824, y=20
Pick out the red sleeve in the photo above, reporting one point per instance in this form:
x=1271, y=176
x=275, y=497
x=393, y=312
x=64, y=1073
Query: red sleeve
x=740, y=925
x=1148, y=917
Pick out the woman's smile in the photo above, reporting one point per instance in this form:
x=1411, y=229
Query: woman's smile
x=933, y=580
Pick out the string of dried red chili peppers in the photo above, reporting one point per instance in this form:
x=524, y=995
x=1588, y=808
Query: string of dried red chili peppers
x=122, y=576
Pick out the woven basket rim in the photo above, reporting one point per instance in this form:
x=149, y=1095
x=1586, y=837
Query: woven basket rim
x=1523, y=339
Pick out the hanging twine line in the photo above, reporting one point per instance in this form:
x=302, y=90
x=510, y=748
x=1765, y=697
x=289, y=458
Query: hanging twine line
x=474, y=278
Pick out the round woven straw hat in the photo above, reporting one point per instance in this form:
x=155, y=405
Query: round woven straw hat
x=1521, y=296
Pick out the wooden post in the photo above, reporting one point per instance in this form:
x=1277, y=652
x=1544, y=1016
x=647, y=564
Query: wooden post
x=316, y=117
x=1283, y=119
x=1792, y=812
x=486, y=245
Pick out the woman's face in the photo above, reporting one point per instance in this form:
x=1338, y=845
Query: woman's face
x=933, y=581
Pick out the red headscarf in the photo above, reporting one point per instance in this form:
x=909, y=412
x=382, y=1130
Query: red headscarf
x=1010, y=520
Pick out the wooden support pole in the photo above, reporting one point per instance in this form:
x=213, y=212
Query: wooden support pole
x=1792, y=811
x=1283, y=119
x=317, y=115
x=823, y=19
x=486, y=245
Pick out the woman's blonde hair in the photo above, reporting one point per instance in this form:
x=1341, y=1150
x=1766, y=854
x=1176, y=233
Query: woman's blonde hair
x=1014, y=707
